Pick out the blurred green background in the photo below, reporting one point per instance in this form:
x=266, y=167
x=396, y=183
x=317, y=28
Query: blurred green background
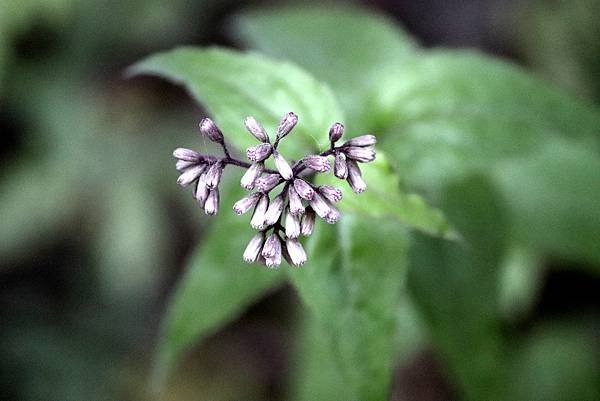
x=94, y=232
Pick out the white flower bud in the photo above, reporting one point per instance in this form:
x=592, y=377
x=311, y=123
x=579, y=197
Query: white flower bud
x=254, y=247
x=211, y=207
x=355, y=179
x=317, y=163
x=308, y=222
x=191, y=174
x=210, y=129
x=267, y=182
x=272, y=251
x=296, y=206
x=340, y=169
x=292, y=225
x=331, y=193
x=296, y=252
x=246, y=203
x=259, y=152
x=256, y=129
x=282, y=166
x=304, y=189
x=258, y=217
x=213, y=175
x=363, y=155
x=286, y=125
x=202, y=190
x=251, y=175
x=363, y=140
x=274, y=211
x=187, y=155
x=335, y=132
x=182, y=165
x=320, y=206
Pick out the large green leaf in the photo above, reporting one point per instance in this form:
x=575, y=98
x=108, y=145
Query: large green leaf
x=233, y=85
x=455, y=285
x=352, y=287
x=385, y=198
x=216, y=288
x=345, y=47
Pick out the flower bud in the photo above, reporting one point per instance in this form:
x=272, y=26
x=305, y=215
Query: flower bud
x=355, y=179
x=333, y=216
x=363, y=140
x=267, y=182
x=256, y=129
x=363, y=155
x=304, y=189
x=320, y=206
x=335, y=132
x=340, y=169
x=272, y=251
x=246, y=203
x=254, y=247
x=295, y=251
x=190, y=175
x=317, y=163
x=210, y=129
x=330, y=192
x=202, y=191
x=258, y=217
x=292, y=225
x=274, y=211
x=187, y=155
x=181, y=165
x=259, y=152
x=286, y=125
x=296, y=206
x=308, y=222
x=251, y=175
x=211, y=207
x=213, y=176
x=282, y=166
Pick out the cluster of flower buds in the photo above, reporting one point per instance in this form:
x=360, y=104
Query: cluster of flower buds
x=283, y=217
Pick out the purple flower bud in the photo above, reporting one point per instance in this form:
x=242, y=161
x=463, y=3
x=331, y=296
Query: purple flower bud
x=267, y=182
x=256, y=129
x=355, y=179
x=187, y=155
x=246, y=203
x=258, y=217
x=251, y=175
x=210, y=129
x=259, y=152
x=340, y=169
x=213, y=175
x=254, y=247
x=272, y=251
x=286, y=125
x=274, y=211
x=335, y=132
x=181, y=165
x=320, y=206
x=211, y=207
x=292, y=225
x=296, y=252
x=330, y=192
x=308, y=222
x=363, y=155
x=333, y=216
x=282, y=166
x=296, y=207
x=304, y=189
x=363, y=140
x=202, y=190
x=317, y=163
x=191, y=174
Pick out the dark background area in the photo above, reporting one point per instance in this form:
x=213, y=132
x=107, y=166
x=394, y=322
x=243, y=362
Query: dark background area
x=79, y=319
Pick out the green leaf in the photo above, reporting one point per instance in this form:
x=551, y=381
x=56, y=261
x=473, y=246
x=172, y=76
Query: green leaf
x=345, y=47
x=216, y=288
x=451, y=113
x=384, y=198
x=232, y=85
x=455, y=285
x=352, y=287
